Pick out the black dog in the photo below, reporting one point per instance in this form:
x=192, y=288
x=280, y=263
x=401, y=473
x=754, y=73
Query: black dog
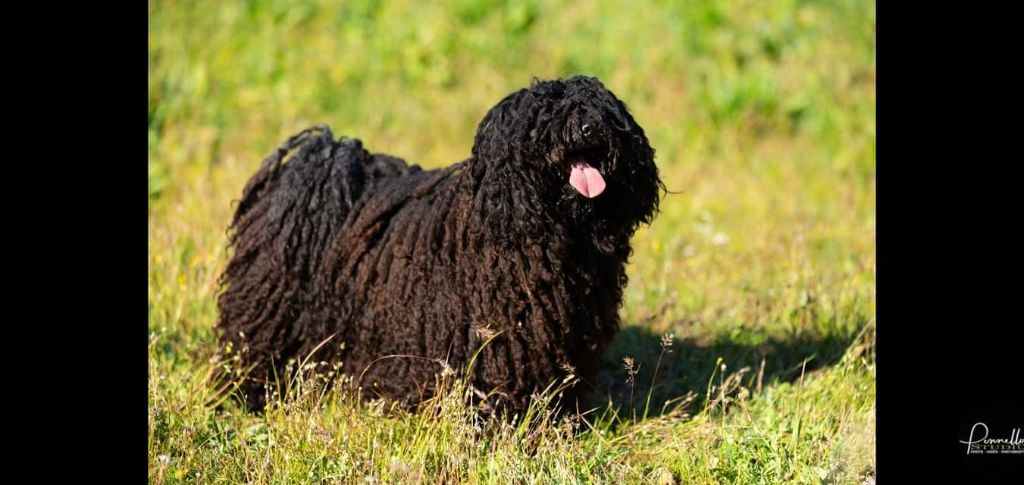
x=519, y=252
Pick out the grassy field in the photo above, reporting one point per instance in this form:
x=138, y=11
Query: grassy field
x=749, y=317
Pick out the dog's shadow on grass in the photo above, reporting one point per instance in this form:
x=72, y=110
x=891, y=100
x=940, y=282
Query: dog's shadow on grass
x=689, y=363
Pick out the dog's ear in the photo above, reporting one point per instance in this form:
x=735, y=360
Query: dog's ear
x=638, y=186
x=643, y=178
x=509, y=131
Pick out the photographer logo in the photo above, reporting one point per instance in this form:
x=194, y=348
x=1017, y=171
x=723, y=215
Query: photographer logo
x=979, y=442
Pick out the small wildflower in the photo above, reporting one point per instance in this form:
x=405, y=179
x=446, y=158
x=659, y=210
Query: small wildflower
x=631, y=370
x=666, y=342
x=484, y=331
x=164, y=459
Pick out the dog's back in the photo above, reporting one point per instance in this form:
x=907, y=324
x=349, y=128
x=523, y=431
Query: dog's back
x=290, y=212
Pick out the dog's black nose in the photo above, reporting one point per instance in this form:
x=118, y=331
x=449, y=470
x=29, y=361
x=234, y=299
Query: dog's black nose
x=587, y=129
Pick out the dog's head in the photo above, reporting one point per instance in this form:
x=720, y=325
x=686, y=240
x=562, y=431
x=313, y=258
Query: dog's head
x=581, y=150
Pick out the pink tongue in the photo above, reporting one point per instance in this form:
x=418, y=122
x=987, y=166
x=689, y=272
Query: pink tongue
x=586, y=179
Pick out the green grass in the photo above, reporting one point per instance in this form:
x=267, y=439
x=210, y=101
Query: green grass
x=761, y=264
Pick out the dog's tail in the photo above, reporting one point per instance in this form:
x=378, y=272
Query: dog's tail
x=290, y=211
